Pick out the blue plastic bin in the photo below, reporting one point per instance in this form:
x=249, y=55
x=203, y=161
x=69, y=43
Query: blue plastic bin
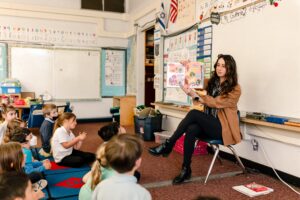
x=10, y=90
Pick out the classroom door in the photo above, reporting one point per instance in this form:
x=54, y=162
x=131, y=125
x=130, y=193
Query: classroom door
x=149, y=67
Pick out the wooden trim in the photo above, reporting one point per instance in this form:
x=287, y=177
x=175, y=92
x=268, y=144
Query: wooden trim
x=172, y=106
x=269, y=124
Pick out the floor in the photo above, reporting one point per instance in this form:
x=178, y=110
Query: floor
x=158, y=172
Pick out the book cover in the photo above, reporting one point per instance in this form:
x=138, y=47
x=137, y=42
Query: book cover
x=253, y=189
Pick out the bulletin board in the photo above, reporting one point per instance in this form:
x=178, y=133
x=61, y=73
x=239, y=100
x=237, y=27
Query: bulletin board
x=113, y=76
x=178, y=48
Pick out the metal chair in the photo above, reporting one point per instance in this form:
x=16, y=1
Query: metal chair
x=215, y=146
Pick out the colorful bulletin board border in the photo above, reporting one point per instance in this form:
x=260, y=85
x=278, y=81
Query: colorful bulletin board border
x=204, y=51
x=3, y=61
x=113, y=72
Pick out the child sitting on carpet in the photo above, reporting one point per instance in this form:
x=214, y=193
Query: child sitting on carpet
x=11, y=126
x=12, y=159
x=65, y=145
x=46, y=129
x=16, y=186
x=7, y=114
x=93, y=177
x=21, y=136
x=123, y=153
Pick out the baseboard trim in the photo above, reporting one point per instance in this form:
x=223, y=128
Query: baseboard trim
x=263, y=169
x=93, y=120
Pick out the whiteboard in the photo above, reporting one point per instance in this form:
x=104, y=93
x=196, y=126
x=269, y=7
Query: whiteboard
x=76, y=74
x=33, y=68
x=266, y=48
x=65, y=74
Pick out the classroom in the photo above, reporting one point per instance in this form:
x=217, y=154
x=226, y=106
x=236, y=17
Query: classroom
x=200, y=95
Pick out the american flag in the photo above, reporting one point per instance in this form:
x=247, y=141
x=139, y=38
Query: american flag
x=173, y=10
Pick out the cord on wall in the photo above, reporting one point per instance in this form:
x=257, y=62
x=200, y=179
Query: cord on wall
x=271, y=164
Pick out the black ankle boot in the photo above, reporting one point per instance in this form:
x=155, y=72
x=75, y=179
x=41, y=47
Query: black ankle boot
x=164, y=149
x=185, y=174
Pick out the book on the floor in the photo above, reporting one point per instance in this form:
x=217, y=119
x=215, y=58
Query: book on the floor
x=253, y=189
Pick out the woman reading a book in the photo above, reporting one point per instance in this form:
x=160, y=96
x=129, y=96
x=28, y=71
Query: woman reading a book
x=219, y=120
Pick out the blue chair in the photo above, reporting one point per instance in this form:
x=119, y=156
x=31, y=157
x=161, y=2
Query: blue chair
x=36, y=117
x=215, y=146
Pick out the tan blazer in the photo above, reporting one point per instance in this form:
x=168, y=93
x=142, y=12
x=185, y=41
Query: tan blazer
x=227, y=114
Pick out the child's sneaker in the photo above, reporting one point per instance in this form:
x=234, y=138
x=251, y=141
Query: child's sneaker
x=43, y=153
x=41, y=184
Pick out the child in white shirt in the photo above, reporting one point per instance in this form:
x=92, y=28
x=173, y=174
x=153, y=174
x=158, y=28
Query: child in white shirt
x=65, y=145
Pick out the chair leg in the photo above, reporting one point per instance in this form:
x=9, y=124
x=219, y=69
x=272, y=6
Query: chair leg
x=212, y=162
x=214, y=150
x=237, y=158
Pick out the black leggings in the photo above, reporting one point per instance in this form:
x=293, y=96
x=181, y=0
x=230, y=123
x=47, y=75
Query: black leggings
x=196, y=124
x=77, y=159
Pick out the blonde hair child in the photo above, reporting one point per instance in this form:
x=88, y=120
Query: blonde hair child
x=123, y=154
x=65, y=145
x=100, y=171
x=8, y=113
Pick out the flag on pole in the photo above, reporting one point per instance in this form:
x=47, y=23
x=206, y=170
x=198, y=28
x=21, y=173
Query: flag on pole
x=173, y=11
x=162, y=17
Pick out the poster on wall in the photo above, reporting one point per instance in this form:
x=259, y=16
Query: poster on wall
x=113, y=72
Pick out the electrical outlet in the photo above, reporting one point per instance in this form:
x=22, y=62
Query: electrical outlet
x=254, y=143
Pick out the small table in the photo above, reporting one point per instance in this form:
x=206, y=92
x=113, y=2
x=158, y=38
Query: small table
x=20, y=109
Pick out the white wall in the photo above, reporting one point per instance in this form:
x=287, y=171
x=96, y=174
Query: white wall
x=72, y=4
x=112, y=30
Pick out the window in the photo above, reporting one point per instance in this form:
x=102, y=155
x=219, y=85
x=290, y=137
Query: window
x=104, y=5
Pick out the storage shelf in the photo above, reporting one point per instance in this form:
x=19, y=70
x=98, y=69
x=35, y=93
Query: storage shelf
x=149, y=64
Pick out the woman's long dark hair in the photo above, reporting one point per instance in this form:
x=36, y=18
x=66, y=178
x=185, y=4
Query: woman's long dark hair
x=231, y=76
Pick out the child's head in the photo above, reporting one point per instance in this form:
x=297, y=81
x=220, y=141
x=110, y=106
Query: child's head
x=108, y=131
x=11, y=131
x=21, y=138
x=11, y=157
x=66, y=119
x=123, y=153
x=50, y=111
x=8, y=112
x=100, y=161
x=14, y=185
x=11, y=127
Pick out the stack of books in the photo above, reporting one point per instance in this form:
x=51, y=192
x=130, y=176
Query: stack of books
x=253, y=189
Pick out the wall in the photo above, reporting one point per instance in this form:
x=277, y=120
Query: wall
x=281, y=147
x=72, y=4
x=111, y=32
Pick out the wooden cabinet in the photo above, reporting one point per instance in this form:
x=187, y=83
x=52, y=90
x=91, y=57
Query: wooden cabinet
x=126, y=104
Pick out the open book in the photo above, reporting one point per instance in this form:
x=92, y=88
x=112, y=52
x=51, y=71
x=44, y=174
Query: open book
x=253, y=189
